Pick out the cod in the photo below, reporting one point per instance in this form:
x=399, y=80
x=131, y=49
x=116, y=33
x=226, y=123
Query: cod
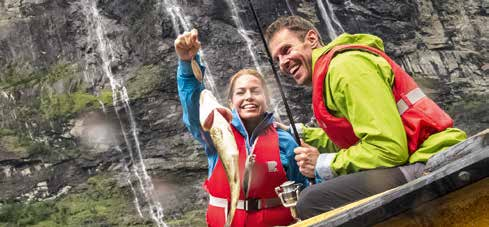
x=215, y=119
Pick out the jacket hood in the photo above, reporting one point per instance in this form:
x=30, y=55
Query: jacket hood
x=345, y=38
x=363, y=39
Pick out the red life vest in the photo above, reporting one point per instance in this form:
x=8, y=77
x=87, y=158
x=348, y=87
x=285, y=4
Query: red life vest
x=268, y=173
x=420, y=116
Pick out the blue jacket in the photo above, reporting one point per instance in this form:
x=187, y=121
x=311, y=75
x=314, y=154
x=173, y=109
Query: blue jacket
x=189, y=89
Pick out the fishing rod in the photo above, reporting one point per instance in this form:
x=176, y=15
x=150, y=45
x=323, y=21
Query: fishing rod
x=276, y=76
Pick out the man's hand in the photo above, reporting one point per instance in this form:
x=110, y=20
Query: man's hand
x=187, y=45
x=306, y=157
x=281, y=126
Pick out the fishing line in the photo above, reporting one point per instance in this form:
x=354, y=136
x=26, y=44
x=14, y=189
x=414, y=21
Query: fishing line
x=276, y=76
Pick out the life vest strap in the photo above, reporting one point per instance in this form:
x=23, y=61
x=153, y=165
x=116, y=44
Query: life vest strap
x=248, y=204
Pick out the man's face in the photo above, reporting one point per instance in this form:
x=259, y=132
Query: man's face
x=294, y=56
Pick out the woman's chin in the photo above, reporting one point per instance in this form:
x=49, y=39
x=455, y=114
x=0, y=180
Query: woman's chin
x=251, y=116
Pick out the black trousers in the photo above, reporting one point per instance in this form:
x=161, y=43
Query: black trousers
x=339, y=191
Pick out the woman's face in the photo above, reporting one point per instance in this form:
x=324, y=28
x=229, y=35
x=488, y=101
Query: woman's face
x=248, y=98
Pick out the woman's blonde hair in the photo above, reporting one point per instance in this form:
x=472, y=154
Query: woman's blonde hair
x=251, y=72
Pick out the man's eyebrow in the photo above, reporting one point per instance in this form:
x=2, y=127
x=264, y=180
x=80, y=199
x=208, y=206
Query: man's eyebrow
x=280, y=50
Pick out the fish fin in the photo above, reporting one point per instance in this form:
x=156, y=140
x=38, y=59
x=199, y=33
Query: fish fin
x=208, y=103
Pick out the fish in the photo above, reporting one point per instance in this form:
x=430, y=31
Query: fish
x=215, y=119
x=196, y=70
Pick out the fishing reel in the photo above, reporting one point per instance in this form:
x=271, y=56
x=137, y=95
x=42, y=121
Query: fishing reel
x=288, y=192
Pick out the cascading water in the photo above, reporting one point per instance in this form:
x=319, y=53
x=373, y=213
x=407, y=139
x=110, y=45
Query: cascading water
x=250, y=44
x=178, y=21
x=145, y=188
x=244, y=34
x=289, y=7
x=177, y=18
x=128, y=181
x=330, y=19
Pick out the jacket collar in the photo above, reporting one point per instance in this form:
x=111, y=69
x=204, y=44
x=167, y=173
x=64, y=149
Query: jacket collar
x=238, y=124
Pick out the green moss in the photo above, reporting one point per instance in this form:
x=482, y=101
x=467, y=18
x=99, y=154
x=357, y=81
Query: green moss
x=26, y=214
x=6, y=132
x=145, y=80
x=65, y=105
x=102, y=203
x=37, y=148
x=67, y=98
x=25, y=147
x=18, y=75
x=60, y=71
x=105, y=97
x=13, y=144
x=192, y=218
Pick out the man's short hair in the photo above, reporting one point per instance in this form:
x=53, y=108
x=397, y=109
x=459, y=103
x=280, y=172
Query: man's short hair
x=296, y=24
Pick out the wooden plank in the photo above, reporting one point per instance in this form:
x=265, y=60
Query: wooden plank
x=463, y=164
x=465, y=207
x=334, y=212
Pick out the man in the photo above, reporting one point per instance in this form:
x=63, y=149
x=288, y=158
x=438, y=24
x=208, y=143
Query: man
x=377, y=122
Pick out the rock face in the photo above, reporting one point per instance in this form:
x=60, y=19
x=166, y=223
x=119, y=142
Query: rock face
x=60, y=123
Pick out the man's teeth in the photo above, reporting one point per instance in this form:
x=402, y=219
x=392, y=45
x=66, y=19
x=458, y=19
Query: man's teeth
x=294, y=69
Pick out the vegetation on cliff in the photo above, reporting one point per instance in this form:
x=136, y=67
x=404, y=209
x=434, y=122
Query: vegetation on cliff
x=100, y=202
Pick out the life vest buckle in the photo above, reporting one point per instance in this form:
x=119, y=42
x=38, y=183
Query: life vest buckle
x=252, y=204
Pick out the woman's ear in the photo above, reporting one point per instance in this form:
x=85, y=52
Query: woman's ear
x=313, y=38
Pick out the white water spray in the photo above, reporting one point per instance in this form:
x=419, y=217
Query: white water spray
x=244, y=34
x=128, y=181
x=177, y=18
x=291, y=11
x=330, y=19
x=120, y=97
x=250, y=45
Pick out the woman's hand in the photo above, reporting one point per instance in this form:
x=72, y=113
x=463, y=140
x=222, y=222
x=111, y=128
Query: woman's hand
x=187, y=45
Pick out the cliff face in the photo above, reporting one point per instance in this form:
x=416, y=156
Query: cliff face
x=61, y=122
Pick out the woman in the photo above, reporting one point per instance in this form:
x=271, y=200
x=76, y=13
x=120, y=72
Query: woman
x=254, y=132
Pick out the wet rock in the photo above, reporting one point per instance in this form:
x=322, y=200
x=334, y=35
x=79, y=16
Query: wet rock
x=52, y=76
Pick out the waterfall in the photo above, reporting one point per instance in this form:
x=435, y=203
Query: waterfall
x=128, y=181
x=249, y=43
x=177, y=18
x=120, y=98
x=244, y=34
x=289, y=7
x=330, y=19
x=179, y=21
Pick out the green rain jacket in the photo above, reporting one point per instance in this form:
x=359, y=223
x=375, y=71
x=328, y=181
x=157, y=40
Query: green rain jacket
x=358, y=87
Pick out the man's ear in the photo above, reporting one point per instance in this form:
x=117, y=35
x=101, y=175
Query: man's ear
x=313, y=38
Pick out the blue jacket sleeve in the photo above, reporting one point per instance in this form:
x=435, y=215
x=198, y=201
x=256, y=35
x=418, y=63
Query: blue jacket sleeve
x=189, y=89
x=287, y=145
